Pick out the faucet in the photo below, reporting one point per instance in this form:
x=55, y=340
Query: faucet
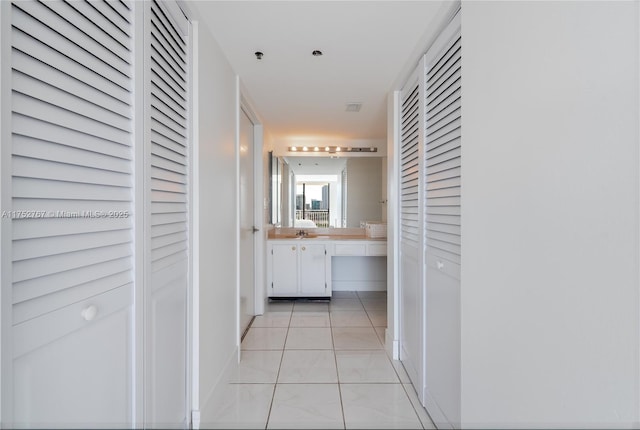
x=302, y=233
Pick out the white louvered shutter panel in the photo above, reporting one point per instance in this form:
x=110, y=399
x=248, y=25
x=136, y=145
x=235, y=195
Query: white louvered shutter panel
x=411, y=232
x=71, y=183
x=167, y=214
x=411, y=128
x=169, y=168
x=442, y=202
x=442, y=155
x=71, y=133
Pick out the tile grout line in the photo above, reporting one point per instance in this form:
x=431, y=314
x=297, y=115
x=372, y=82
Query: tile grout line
x=275, y=385
x=371, y=321
x=414, y=407
x=333, y=349
x=335, y=359
x=404, y=389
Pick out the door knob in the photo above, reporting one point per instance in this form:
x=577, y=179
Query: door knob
x=304, y=249
x=255, y=230
x=89, y=312
x=293, y=248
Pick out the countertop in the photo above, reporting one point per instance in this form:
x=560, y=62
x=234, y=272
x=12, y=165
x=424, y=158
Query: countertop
x=321, y=234
x=325, y=237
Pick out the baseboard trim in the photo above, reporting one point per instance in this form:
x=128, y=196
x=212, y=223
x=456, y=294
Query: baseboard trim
x=392, y=345
x=437, y=416
x=195, y=419
x=358, y=285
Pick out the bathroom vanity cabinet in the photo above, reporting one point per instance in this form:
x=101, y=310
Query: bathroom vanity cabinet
x=314, y=266
x=298, y=268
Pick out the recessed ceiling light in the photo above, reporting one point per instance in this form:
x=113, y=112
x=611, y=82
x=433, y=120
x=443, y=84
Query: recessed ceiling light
x=316, y=53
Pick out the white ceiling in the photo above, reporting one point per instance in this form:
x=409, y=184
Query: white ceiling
x=299, y=97
x=316, y=165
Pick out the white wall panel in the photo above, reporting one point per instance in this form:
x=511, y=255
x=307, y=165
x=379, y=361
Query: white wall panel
x=550, y=326
x=218, y=104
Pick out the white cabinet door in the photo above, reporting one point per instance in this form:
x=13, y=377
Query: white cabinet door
x=298, y=269
x=313, y=280
x=284, y=269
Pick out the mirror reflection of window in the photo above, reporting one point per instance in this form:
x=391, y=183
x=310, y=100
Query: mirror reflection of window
x=342, y=205
x=313, y=203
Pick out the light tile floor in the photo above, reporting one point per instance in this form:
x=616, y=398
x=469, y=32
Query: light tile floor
x=319, y=365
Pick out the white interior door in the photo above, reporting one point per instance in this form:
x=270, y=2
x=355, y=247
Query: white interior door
x=67, y=290
x=443, y=235
x=71, y=323
x=167, y=216
x=411, y=231
x=247, y=223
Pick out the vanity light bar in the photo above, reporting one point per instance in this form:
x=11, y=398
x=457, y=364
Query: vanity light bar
x=333, y=149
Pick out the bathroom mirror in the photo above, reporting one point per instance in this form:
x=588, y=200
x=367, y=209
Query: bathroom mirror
x=275, y=189
x=335, y=192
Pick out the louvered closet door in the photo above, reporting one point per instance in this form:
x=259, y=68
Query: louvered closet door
x=167, y=216
x=71, y=204
x=411, y=241
x=442, y=217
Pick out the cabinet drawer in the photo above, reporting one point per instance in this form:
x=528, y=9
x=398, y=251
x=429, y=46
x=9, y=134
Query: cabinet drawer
x=377, y=248
x=350, y=249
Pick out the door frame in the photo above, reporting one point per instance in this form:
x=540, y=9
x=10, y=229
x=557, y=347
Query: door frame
x=6, y=311
x=246, y=106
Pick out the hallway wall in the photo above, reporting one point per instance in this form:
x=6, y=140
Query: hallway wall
x=550, y=325
x=217, y=127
